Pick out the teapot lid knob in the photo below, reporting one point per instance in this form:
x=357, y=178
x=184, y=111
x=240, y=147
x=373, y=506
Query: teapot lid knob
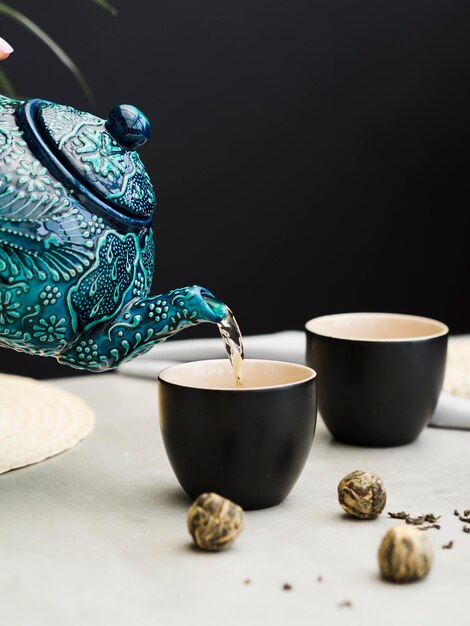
x=128, y=126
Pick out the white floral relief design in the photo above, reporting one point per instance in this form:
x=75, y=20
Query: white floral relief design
x=33, y=176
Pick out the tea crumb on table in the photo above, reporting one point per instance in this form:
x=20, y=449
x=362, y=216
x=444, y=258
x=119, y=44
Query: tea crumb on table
x=345, y=604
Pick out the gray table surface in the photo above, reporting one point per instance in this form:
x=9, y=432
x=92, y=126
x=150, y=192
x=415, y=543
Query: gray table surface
x=97, y=535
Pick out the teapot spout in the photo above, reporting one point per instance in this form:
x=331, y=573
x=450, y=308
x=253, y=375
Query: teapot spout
x=212, y=310
x=142, y=324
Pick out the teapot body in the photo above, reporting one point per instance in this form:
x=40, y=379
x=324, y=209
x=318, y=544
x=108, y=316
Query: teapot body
x=76, y=262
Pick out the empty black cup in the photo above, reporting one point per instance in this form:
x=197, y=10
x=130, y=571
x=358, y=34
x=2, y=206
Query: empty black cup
x=250, y=444
x=379, y=374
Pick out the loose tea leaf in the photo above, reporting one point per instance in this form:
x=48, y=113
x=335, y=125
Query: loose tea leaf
x=400, y=515
x=428, y=526
x=429, y=518
x=320, y=579
x=448, y=546
x=247, y=581
x=466, y=529
x=465, y=517
x=287, y=587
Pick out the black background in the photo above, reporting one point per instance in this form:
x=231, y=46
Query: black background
x=309, y=156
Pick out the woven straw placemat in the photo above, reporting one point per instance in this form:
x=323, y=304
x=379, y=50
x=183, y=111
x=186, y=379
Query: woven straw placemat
x=37, y=421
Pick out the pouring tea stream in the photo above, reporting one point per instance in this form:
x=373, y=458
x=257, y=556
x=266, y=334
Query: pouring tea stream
x=232, y=338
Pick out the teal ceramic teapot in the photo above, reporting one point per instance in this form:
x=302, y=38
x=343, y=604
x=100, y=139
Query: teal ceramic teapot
x=76, y=244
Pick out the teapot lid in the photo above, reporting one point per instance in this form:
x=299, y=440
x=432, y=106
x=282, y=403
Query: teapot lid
x=96, y=156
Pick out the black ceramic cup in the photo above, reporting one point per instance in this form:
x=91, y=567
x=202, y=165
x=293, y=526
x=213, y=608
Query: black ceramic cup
x=379, y=374
x=250, y=444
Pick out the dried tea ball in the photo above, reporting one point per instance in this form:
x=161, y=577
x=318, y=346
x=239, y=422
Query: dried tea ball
x=214, y=522
x=362, y=495
x=405, y=554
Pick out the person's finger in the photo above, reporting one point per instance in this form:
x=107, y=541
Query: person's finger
x=5, y=49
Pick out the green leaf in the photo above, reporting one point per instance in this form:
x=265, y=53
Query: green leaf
x=6, y=87
x=51, y=44
x=104, y=4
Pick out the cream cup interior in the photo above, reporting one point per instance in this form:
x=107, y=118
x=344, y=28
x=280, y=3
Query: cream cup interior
x=376, y=327
x=218, y=374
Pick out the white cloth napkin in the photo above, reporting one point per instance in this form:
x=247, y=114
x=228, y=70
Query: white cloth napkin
x=451, y=412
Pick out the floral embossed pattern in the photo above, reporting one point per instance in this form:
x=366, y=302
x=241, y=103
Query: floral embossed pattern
x=50, y=329
x=32, y=176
